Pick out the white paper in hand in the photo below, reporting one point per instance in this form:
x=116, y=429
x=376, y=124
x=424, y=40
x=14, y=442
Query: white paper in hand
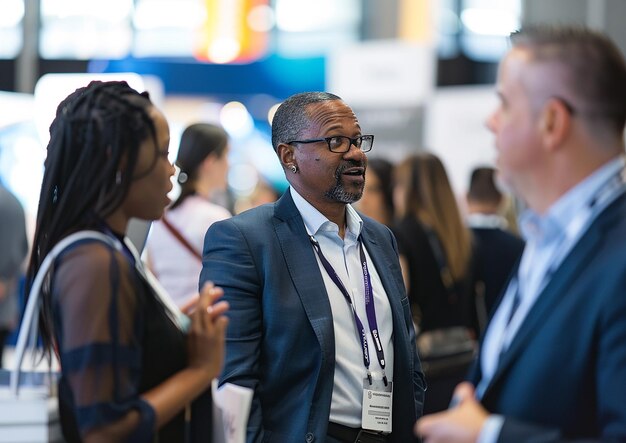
x=231, y=408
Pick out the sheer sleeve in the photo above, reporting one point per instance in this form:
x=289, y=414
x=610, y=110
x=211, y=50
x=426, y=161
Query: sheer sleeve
x=99, y=324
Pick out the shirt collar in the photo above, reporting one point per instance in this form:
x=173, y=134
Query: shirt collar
x=315, y=221
x=535, y=227
x=489, y=221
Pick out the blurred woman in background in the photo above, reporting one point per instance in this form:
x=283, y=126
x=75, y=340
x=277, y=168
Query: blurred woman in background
x=435, y=244
x=174, y=246
x=377, y=199
x=436, y=255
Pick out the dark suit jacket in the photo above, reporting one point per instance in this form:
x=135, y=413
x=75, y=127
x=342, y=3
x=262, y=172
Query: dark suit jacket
x=564, y=374
x=280, y=340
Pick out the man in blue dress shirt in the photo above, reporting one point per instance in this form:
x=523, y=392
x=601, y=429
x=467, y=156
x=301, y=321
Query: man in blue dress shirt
x=552, y=363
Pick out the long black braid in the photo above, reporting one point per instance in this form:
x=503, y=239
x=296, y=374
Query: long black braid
x=93, y=149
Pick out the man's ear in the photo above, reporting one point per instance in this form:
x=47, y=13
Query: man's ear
x=555, y=123
x=286, y=154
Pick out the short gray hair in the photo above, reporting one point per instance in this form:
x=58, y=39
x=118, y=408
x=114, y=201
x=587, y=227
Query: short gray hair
x=589, y=58
x=292, y=117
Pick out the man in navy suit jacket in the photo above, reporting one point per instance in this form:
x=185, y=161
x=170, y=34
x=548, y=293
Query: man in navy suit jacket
x=497, y=249
x=317, y=355
x=552, y=363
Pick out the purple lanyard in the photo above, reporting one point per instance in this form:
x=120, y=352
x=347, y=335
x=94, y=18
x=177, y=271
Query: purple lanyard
x=369, y=308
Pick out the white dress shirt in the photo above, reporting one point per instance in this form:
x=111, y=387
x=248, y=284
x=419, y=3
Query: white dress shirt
x=343, y=255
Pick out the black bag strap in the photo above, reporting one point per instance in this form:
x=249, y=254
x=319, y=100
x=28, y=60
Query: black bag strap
x=183, y=241
x=444, y=270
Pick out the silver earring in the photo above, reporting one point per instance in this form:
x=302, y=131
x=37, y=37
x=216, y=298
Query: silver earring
x=293, y=168
x=118, y=177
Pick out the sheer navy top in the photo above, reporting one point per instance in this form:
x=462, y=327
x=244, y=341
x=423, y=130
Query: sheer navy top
x=115, y=341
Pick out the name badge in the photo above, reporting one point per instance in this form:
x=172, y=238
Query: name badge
x=377, y=403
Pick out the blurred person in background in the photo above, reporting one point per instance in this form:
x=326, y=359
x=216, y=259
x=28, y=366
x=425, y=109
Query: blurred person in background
x=510, y=209
x=552, y=362
x=377, y=199
x=264, y=192
x=320, y=326
x=13, y=252
x=174, y=246
x=129, y=369
x=497, y=249
x=429, y=225
x=436, y=253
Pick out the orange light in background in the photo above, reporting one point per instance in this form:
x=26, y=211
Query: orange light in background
x=415, y=20
x=234, y=31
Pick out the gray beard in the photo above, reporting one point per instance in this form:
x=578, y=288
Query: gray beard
x=338, y=193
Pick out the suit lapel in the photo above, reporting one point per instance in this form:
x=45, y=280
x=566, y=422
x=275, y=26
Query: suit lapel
x=557, y=289
x=304, y=272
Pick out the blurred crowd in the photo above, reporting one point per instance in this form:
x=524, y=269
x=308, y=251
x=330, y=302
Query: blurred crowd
x=368, y=302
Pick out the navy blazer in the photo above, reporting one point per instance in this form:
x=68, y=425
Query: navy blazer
x=564, y=374
x=280, y=339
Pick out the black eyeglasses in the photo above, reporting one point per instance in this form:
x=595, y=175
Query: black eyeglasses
x=341, y=143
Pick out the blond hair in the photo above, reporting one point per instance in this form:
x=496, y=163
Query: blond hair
x=429, y=198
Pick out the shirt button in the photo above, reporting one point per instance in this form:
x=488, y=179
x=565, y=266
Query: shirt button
x=309, y=438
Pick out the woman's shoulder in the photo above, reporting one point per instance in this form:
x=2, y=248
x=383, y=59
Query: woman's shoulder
x=90, y=259
x=86, y=274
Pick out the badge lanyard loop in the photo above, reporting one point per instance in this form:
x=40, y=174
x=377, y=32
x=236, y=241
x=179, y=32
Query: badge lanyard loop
x=369, y=307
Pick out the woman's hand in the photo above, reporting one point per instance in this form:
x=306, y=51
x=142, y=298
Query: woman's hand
x=206, y=336
x=190, y=304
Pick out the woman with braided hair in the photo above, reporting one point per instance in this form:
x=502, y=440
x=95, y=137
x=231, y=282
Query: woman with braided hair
x=131, y=362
